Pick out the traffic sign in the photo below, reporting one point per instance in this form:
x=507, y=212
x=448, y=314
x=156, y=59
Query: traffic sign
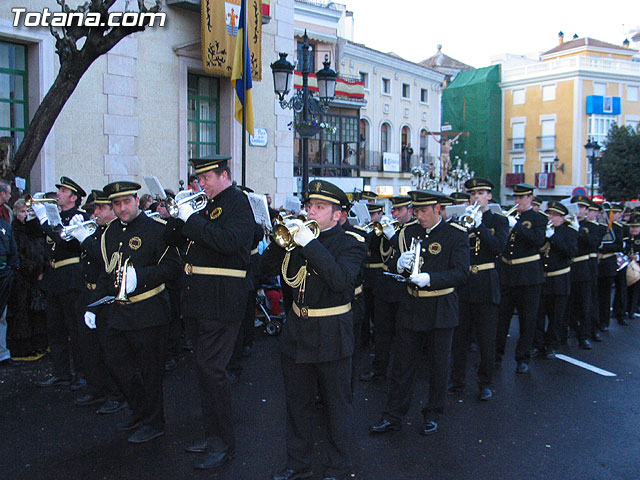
x=579, y=191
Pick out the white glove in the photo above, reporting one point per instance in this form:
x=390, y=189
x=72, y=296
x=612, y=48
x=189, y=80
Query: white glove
x=185, y=211
x=477, y=218
x=405, y=261
x=40, y=211
x=576, y=223
x=512, y=221
x=290, y=222
x=550, y=232
x=77, y=219
x=389, y=231
x=90, y=320
x=80, y=233
x=303, y=236
x=421, y=279
x=132, y=280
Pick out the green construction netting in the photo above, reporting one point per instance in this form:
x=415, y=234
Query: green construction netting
x=472, y=103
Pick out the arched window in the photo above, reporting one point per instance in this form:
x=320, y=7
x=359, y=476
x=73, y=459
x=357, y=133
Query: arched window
x=384, y=138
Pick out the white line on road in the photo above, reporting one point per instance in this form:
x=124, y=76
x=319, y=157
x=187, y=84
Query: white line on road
x=585, y=365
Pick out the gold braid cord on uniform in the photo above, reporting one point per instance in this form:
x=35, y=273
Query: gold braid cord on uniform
x=109, y=265
x=299, y=280
x=385, y=254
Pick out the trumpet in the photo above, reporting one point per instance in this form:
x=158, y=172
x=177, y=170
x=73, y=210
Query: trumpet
x=510, y=211
x=29, y=200
x=416, y=263
x=282, y=219
x=284, y=236
x=468, y=219
x=66, y=231
x=197, y=200
x=378, y=227
x=121, y=281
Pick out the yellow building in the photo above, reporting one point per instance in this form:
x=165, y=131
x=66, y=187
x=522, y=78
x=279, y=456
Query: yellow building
x=553, y=105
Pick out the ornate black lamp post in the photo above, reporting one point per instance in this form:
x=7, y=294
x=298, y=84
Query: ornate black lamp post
x=305, y=105
x=593, y=149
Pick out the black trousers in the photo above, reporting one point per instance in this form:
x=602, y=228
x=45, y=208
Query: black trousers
x=594, y=311
x=620, y=295
x=357, y=306
x=384, y=330
x=301, y=383
x=604, y=300
x=580, y=304
x=406, y=361
x=135, y=358
x=481, y=319
x=526, y=299
x=246, y=334
x=367, y=319
x=214, y=341
x=553, y=308
x=632, y=298
x=62, y=330
x=176, y=327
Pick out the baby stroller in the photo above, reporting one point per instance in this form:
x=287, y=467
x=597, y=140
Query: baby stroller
x=269, y=296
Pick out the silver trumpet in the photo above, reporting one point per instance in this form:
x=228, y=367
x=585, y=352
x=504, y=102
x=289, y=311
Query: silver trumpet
x=468, y=220
x=198, y=201
x=416, y=264
x=66, y=231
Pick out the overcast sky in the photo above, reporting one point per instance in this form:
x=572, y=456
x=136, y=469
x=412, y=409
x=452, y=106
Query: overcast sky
x=472, y=31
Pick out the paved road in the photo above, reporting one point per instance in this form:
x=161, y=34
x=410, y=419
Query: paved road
x=559, y=422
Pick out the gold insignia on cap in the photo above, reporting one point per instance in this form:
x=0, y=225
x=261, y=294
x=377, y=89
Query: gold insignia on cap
x=317, y=187
x=435, y=248
x=135, y=243
x=216, y=213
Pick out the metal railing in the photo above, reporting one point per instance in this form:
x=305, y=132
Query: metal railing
x=516, y=144
x=547, y=142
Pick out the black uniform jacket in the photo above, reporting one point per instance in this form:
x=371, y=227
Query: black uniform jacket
x=386, y=287
x=142, y=241
x=486, y=244
x=557, y=253
x=361, y=235
x=333, y=262
x=445, y=257
x=608, y=266
x=219, y=236
x=373, y=261
x=588, y=242
x=69, y=277
x=525, y=240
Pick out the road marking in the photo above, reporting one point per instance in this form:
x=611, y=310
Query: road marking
x=597, y=370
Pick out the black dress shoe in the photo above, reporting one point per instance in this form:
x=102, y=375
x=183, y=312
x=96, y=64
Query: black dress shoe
x=88, y=399
x=129, y=424
x=522, y=367
x=596, y=337
x=384, y=426
x=536, y=352
x=585, y=344
x=551, y=353
x=79, y=384
x=429, y=427
x=370, y=376
x=455, y=390
x=214, y=460
x=198, y=447
x=603, y=328
x=622, y=322
x=54, y=381
x=10, y=362
x=291, y=474
x=145, y=434
x=111, y=406
x=485, y=395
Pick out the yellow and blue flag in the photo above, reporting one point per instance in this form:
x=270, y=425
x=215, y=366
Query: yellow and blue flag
x=238, y=73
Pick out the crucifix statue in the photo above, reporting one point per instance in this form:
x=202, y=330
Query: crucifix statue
x=445, y=142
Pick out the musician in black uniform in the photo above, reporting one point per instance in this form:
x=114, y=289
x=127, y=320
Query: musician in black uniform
x=620, y=282
x=373, y=264
x=600, y=229
x=62, y=285
x=521, y=276
x=582, y=277
x=317, y=338
x=480, y=297
x=218, y=249
x=611, y=243
x=101, y=388
x=461, y=198
x=427, y=318
x=388, y=294
x=633, y=292
x=559, y=249
x=136, y=336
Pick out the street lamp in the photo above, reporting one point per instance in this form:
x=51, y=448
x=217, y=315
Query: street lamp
x=593, y=149
x=303, y=103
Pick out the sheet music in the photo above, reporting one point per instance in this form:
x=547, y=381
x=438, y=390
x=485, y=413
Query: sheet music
x=155, y=187
x=454, y=211
x=362, y=212
x=53, y=215
x=495, y=208
x=292, y=204
x=260, y=209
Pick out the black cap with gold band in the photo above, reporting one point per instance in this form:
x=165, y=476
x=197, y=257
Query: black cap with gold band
x=446, y=201
x=211, y=162
x=97, y=197
x=557, y=207
x=327, y=192
x=66, y=182
x=460, y=197
x=634, y=221
x=617, y=207
x=400, y=201
x=121, y=189
x=368, y=195
x=522, y=189
x=581, y=200
x=423, y=198
x=537, y=201
x=474, y=184
x=375, y=208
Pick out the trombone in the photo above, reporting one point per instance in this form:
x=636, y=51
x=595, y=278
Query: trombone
x=197, y=200
x=284, y=235
x=66, y=231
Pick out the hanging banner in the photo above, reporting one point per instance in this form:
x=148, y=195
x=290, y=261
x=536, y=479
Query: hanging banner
x=220, y=27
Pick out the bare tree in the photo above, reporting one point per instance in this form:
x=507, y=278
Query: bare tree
x=77, y=47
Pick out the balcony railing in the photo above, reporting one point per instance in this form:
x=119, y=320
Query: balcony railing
x=569, y=65
x=371, y=161
x=513, y=179
x=546, y=143
x=516, y=144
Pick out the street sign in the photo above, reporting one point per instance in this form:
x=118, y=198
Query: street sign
x=579, y=191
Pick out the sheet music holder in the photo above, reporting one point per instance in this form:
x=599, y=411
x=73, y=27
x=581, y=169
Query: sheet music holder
x=260, y=209
x=155, y=187
x=53, y=215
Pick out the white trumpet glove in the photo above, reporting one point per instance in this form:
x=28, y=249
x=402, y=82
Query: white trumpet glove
x=389, y=231
x=185, y=211
x=303, y=236
x=132, y=280
x=421, y=279
x=512, y=221
x=81, y=233
x=77, y=219
x=477, y=218
x=40, y=211
x=90, y=320
x=576, y=223
x=405, y=260
x=550, y=232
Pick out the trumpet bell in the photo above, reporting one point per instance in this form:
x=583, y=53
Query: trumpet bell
x=285, y=236
x=197, y=200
